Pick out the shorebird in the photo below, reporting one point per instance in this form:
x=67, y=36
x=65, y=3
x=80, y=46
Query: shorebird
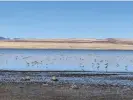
x=98, y=66
x=28, y=64
x=117, y=65
x=26, y=57
x=126, y=68
x=93, y=65
x=106, y=67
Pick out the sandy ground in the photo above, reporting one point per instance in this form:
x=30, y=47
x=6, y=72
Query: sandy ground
x=60, y=45
x=36, y=91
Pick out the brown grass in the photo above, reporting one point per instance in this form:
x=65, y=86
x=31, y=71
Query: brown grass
x=116, y=44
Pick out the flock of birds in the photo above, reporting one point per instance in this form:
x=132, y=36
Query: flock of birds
x=95, y=63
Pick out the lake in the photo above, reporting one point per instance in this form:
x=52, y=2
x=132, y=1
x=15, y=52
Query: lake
x=66, y=60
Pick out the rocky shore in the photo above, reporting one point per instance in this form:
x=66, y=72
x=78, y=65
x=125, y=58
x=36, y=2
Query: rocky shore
x=27, y=86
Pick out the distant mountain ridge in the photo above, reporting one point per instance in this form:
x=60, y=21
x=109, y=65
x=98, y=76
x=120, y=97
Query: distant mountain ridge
x=2, y=38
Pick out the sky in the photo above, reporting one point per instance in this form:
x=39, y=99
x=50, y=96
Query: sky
x=69, y=19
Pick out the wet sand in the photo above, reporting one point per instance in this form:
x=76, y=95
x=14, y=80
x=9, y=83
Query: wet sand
x=13, y=88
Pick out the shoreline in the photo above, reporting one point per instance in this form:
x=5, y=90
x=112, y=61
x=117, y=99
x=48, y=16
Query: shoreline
x=94, y=49
x=64, y=89
x=47, y=71
x=68, y=86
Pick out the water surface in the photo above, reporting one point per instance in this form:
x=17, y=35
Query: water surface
x=74, y=60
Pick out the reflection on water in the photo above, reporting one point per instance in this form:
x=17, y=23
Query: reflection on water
x=82, y=60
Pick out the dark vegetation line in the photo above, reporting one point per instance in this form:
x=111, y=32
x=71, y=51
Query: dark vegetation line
x=41, y=71
x=96, y=72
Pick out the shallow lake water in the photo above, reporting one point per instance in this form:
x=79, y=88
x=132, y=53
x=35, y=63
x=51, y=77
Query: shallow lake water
x=72, y=60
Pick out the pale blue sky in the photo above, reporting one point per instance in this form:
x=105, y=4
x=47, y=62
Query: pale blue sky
x=66, y=19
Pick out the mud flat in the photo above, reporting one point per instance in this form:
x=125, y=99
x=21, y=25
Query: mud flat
x=88, y=87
